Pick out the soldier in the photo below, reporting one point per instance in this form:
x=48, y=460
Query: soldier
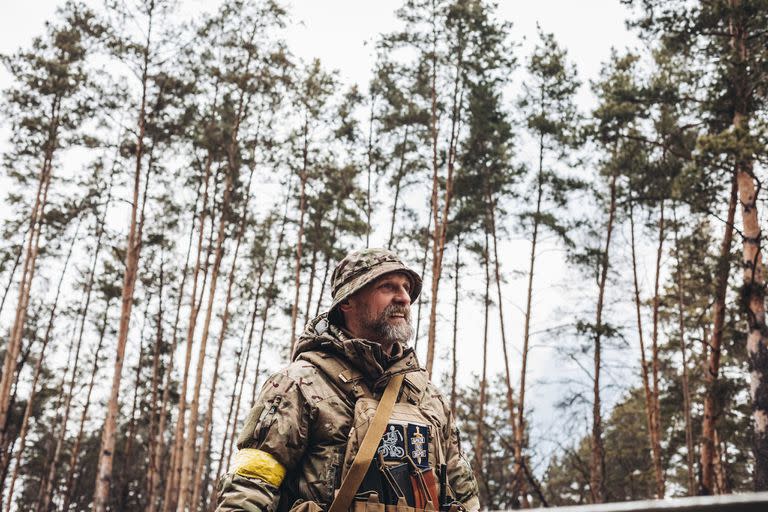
x=301, y=438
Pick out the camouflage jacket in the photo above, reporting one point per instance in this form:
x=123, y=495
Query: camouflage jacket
x=293, y=444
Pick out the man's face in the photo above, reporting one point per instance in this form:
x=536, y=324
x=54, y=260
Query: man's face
x=381, y=311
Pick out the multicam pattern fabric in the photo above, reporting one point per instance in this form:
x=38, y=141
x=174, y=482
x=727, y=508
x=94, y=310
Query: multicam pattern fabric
x=304, y=415
x=361, y=267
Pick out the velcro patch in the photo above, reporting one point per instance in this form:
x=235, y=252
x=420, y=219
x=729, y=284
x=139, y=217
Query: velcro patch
x=253, y=463
x=401, y=439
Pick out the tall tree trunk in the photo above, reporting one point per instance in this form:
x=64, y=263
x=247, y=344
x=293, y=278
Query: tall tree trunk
x=327, y=259
x=650, y=408
x=721, y=477
x=368, y=206
x=207, y=423
x=658, y=468
x=303, y=175
x=753, y=297
x=491, y=217
x=753, y=287
x=310, y=284
x=420, y=300
x=71, y=480
x=124, y=480
x=711, y=415
x=398, y=183
x=132, y=255
x=520, y=479
x=441, y=224
x=191, y=431
x=62, y=428
x=153, y=434
x=35, y=379
x=479, y=448
x=597, y=461
x=454, y=361
x=268, y=300
x=36, y=219
x=12, y=273
x=153, y=492
x=172, y=481
x=690, y=454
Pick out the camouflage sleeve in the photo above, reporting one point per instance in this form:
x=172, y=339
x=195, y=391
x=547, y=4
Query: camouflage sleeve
x=270, y=444
x=460, y=476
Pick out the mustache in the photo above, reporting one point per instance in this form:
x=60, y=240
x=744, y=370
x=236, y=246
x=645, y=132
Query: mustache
x=394, y=309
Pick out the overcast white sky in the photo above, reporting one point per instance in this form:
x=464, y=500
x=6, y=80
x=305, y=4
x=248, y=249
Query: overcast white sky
x=340, y=33
x=336, y=31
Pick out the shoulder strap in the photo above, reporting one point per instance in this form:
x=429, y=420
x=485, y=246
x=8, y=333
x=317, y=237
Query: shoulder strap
x=355, y=475
x=349, y=380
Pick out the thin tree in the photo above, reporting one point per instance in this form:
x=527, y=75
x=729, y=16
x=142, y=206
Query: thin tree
x=36, y=377
x=54, y=80
x=132, y=258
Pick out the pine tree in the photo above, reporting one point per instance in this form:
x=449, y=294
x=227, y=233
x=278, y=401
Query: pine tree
x=49, y=106
x=553, y=120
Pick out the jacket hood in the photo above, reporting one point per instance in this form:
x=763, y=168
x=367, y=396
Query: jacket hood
x=365, y=355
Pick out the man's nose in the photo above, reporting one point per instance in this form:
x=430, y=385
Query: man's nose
x=402, y=296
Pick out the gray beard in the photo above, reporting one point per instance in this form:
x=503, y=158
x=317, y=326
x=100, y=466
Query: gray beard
x=388, y=333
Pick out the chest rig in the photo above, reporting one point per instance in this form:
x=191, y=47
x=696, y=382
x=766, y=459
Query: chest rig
x=410, y=453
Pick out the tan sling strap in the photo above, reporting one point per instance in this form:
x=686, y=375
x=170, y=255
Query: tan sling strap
x=354, y=476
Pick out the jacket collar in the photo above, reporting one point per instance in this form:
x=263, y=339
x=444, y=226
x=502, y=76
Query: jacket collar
x=363, y=355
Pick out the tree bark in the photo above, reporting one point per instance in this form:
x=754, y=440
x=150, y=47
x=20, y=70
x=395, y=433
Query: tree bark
x=420, y=300
x=12, y=273
x=753, y=287
x=310, y=285
x=491, y=216
x=154, y=433
x=398, y=182
x=658, y=468
x=690, y=454
x=479, y=467
x=191, y=433
x=303, y=176
x=650, y=408
x=710, y=417
x=71, y=481
x=327, y=259
x=269, y=298
x=441, y=225
x=133, y=253
x=597, y=460
x=124, y=480
x=37, y=214
x=172, y=482
x=520, y=479
x=207, y=423
x=753, y=297
x=35, y=379
x=454, y=361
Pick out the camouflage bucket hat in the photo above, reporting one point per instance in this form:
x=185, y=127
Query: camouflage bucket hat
x=359, y=268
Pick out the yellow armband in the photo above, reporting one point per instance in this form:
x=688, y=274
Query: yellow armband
x=253, y=463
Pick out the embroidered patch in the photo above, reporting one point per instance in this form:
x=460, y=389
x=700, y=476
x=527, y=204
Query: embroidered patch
x=392, y=444
x=400, y=439
x=418, y=444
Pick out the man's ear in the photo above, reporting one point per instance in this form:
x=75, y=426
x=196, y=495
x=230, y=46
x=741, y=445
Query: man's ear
x=345, y=305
